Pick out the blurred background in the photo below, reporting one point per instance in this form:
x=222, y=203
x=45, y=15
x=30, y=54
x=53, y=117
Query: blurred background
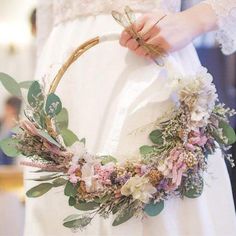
x=17, y=58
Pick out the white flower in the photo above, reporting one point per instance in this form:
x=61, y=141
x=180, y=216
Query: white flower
x=78, y=150
x=88, y=176
x=139, y=188
x=199, y=95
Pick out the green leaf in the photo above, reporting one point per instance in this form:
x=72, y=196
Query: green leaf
x=10, y=84
x=117, y=207
x=80, y=222
x=83, y=140
x=195, y=191
x=62, y=119
x=228, y=132
x=9, y=147
x=123, y=216
x=53, y=105
x=154, y=209
x=156, y=137
x=26, y=84
x=45, y=135
x=46, y=177
x=72, y=201
x=144, y=150
x=69, y=137
x=70, y=190
x=108, y=159
x=72, y=217
x=59, y=182
x=39, y=190
x=35, y=95
x=86, y=206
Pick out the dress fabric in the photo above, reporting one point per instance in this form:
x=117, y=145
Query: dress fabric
x=110, y=93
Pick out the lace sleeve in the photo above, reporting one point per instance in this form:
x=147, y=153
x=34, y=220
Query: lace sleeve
x=44, y=22
x=226, y=13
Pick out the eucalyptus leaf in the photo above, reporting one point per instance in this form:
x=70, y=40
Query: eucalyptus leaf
x=117, y=207
x=69, y=137
x=72, y=217
x=83, y=140
x=108, y=159
x=195, y=191
x=123, y=216
x=86, y=206
x=62, y=119
x=35, y=95
x=10, y=84
x=144, y=150
x=70, y=190
x=228, y=132
x=9, y=147
x=39, y=190
x=59, y=182
x=154, y=209
x=46, y=177
x=72, y=201
x=45, y=135
x=26, y=84
x=156, y=137
x=81, y=222
x=53, y=105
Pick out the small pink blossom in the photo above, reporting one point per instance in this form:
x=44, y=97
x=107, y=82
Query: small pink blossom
x=30, y=127
x=73, y=179
x=103, y=173
x=72, y=174
x=198, y=139
x=174, y=166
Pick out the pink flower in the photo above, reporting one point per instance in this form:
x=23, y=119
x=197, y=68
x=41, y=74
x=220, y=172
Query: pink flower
x=73, y=178
x=174, y=166
x=198, y=138
x=30, y=127
x=72, y=169
x=103, y=173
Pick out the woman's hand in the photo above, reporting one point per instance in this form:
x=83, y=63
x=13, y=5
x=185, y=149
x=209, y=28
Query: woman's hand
x=173, y=32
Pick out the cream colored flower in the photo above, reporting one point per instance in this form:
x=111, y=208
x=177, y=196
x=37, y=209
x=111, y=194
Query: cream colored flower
x=78, y=150
x=88, y=176
x=199, y=94
x=139, y=188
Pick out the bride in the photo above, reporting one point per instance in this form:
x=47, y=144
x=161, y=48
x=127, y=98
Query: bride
x=110, y=92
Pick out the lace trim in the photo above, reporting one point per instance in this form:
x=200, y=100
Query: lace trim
x=226, y=13
x=65, y=10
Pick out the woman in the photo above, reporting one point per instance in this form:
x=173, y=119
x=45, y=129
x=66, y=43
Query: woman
x=111, y=92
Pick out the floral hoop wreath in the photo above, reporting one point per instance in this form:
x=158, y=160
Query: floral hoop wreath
x=99, y=185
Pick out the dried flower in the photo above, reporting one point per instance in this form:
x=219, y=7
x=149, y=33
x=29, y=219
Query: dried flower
x=155, y=177
x=199, y=94
x=139, y=188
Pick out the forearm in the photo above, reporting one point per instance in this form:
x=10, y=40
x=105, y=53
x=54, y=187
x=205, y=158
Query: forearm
x=202, y=17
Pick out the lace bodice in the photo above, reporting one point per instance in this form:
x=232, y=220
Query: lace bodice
x=226, y=14
x=65, y=10
x=53, y=12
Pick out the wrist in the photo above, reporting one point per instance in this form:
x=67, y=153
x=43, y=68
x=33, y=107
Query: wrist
x=202, y=19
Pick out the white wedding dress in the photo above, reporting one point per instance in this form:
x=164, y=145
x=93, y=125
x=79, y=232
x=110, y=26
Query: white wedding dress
x=111, y=92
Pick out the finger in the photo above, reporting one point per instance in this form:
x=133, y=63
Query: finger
x=139, y=23
x=125, y=37
x=141, y=52
x=132, y=44
x=149, y=30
